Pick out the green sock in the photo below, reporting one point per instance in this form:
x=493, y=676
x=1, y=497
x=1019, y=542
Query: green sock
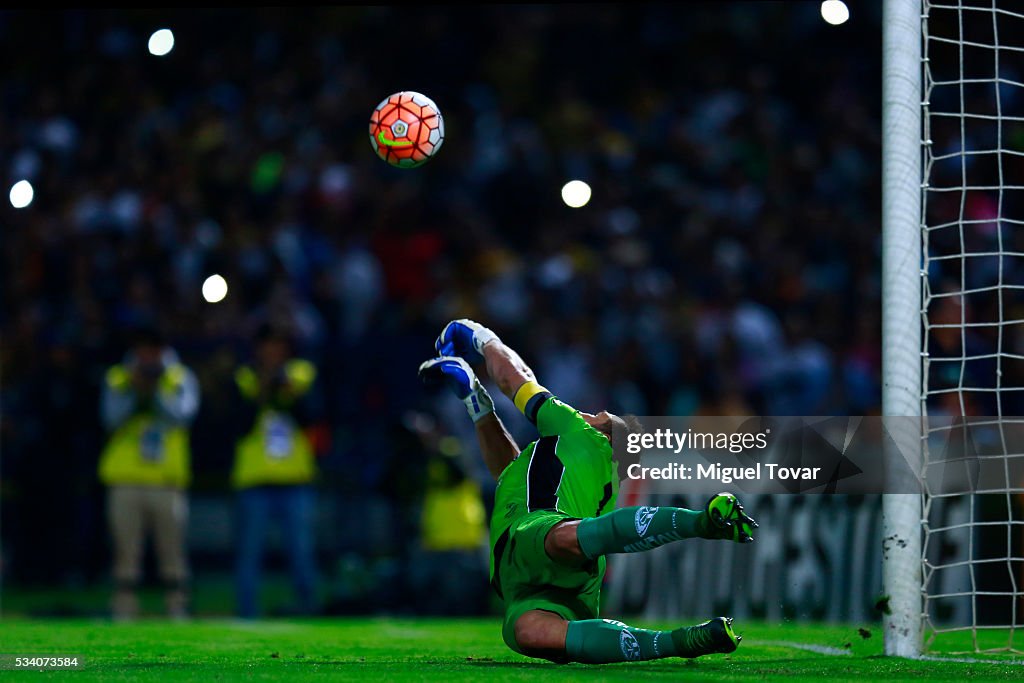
x=635, y=529
x=602, y=641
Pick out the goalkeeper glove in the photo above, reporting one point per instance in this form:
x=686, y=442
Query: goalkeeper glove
x=460, y=378
x=464, y=338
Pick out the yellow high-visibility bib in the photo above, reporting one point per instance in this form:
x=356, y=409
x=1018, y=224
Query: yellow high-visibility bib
x=453, y=517
x=276, y=451
x=146, y=451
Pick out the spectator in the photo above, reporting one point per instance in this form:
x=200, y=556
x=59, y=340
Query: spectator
x=148, y=402
x=274, y=467
x=449, y=571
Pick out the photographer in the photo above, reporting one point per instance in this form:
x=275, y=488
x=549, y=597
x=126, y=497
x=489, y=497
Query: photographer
x=274, y=467
x=148, y=402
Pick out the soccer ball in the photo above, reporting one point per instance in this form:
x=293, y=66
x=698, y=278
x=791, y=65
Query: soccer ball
x=406, y=129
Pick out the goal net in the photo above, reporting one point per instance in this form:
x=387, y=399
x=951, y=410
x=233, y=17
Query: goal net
x=962, y=69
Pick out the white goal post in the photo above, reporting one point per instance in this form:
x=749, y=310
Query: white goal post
x=952, y=322
x=901, y=309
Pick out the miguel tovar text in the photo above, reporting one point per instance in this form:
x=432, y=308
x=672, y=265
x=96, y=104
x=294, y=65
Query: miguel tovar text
x=726, y=475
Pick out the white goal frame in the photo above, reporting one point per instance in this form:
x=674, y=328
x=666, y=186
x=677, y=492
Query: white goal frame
x=941, y=559
x=901, y=312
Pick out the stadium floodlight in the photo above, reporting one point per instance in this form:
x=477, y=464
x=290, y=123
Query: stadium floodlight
x=835, y=12
x=948, y=302
x=575, y=193
x=21, y=194
x=161, y=42
x=215, y=288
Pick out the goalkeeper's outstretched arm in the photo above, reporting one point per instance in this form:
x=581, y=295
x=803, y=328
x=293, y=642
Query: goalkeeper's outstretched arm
x=496, y=445
x=506, y=368
x=517, y=381
x=475, y=343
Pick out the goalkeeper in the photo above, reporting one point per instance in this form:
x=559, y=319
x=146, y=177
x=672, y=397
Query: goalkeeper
x=555, y=520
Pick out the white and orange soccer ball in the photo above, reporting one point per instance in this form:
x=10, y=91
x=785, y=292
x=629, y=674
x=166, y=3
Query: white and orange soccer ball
x=406, y=129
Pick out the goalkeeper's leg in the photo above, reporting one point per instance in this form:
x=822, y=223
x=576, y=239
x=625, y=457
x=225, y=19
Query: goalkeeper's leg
x=636, y=529
x=544, y=634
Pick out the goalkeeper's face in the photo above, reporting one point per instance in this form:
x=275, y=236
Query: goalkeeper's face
x=604, y=422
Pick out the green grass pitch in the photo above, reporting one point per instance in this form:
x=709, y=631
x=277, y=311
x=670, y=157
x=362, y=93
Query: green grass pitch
x=444, y=650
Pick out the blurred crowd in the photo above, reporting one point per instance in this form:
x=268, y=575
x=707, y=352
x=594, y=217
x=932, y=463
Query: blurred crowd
x=728, y=262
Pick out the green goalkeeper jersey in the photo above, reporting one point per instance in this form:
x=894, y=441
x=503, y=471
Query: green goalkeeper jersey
x=570, y=470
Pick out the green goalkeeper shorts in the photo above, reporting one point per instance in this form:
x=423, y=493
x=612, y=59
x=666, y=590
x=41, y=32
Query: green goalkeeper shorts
x=529, y=579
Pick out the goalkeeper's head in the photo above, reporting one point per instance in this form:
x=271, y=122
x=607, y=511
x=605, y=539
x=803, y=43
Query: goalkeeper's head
x=610, y=423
